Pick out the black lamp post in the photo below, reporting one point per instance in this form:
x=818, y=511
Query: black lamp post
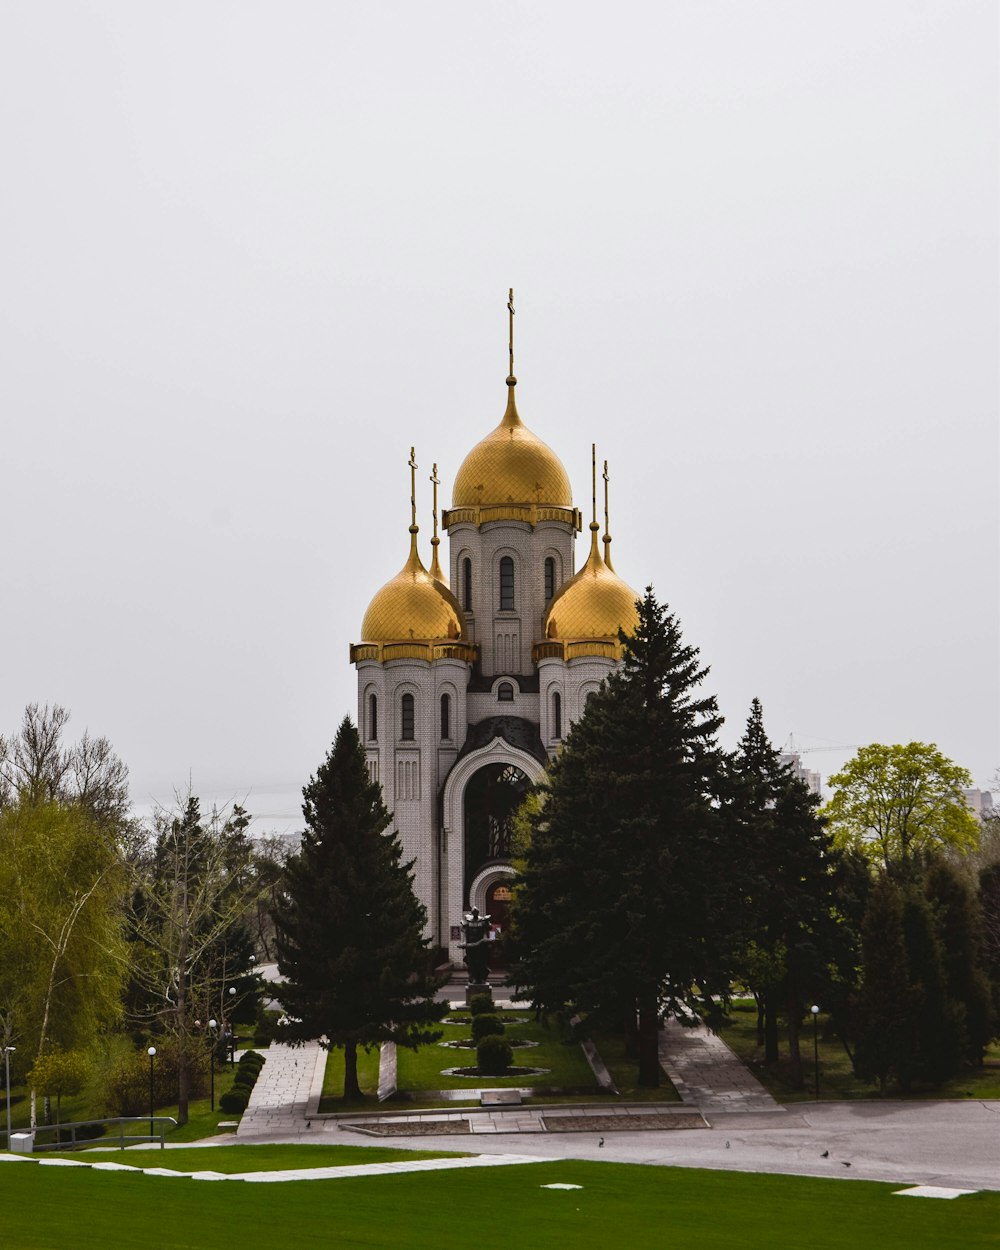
x=6, y=1063
x=212, y=1026
x=232, y=1029
x=815, y=1015
x=152, y=1055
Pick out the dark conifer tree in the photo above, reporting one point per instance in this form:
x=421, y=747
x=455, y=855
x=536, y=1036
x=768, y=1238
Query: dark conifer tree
x=349, y=928
x=620, y=905
x=960, y=924
x=785, y=901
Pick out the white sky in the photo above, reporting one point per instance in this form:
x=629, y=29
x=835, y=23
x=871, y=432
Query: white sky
x=250, y=252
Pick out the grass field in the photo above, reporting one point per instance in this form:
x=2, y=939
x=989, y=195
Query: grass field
x=836, y=1077
x=263, y=1158
x=567, y=1066
x=52, y=1208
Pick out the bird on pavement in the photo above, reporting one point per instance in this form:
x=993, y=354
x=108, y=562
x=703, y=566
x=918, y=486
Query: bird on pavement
x=825, y=1154
x=601, y=1142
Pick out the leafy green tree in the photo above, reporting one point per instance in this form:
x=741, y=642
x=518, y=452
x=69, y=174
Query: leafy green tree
x=785, y=881
x=59, y=1072
x=61, y=883
x=895, y=802
x=621, y=908
x=193, y=887
x=349, y=926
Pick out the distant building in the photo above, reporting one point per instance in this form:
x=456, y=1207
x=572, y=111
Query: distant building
x=794, y=761
x=980, y=801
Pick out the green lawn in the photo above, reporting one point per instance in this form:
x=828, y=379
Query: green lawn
x=332, y=1098
x=263, y=1158
x=836, y=1077
x=52, y=1208
x=421, y=1069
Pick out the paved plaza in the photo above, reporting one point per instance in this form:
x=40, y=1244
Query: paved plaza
x=740, y=1127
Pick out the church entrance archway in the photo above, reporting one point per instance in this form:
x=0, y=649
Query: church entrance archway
x=492, y=797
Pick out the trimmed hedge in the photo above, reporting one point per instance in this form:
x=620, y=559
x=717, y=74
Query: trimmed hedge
x=480, y=1005
x=235, y=1100
x=486, y=1026
x=493, y=1055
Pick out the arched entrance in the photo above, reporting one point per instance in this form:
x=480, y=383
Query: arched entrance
x=508, y=772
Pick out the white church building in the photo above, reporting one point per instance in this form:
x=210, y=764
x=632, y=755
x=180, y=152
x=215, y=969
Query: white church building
x=469, y=680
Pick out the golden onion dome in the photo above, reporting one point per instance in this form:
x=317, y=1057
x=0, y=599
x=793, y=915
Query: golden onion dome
x=593, y=605
x=511, y=465
x=413, y=605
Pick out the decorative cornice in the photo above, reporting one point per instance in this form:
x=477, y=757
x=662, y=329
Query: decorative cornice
x=479, y=515
x=383, y=652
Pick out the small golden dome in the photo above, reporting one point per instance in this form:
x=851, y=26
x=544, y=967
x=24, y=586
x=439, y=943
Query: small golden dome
x=511, y=465
x=413, y=606
x=592, y=605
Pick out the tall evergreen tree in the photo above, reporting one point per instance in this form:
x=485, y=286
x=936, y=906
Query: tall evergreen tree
x=623, y=884
x=785, y=905
x=349, y=927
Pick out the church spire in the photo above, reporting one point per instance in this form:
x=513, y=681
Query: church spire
x=607, y=532
x=435, y=570
x=414, y=527
x=511, y=419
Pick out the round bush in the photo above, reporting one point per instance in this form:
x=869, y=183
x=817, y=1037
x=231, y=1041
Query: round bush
x=485, y=1026
x=494, y=1055
x=245, y=1080
x=480, y=1005
x=235, y=1099
x=251, y=1060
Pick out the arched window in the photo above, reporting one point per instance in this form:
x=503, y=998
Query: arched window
x=506, y=584
x=372, y=718
x=407, y=718
x=550, y=578
x=446, y=716
x=467, y=584
x=557, y=715
x=505, y=692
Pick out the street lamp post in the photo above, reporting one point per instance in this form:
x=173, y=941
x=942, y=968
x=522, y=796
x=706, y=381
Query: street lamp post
x=152, y=1055
x=212, y=1026
x=815, y=1015
x=6, y=1064
x=232, y=1030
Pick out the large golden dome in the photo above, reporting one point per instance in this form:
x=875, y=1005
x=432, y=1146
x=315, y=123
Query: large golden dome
x=511, y=466
x=593, y=605
x=413, y=606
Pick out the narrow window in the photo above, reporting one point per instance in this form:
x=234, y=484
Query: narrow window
x=467, y=584
x=372, y=718
x=506, y=584
x=550, y=578
x=406, y=708
x=505, y=692
x=557, y=716
x=446, y=716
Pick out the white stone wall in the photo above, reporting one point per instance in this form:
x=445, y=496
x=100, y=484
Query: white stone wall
x=505, y=638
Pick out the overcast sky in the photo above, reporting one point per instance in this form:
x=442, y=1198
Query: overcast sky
x=250, y=252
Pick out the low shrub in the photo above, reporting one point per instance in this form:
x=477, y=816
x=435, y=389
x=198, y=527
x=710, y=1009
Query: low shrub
x=235, y=1100
x=266, y=1028
x=486, y=1026
x=480, y=1005
x=250, y=1058
x=493, y=1055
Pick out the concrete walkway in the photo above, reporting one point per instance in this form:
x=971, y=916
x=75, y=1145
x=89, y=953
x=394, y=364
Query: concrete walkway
x=707, y=1074
x=287, y=1091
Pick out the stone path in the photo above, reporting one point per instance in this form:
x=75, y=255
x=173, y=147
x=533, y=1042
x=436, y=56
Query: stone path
x=707, y=1074
x=287, y=1091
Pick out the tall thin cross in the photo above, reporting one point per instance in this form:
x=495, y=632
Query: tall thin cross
x=435, y=565
x=511, y=380
x=593, y=481
x=607, y=532
x=413, y=488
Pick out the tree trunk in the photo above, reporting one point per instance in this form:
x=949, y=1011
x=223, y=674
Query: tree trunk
x=649, y=1039
x=631, y=1033
x=351, y=1087
x=770, y=1030
x=759, y=1000
x=794, y=1051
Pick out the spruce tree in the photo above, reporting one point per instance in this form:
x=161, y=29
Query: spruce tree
x=784, y=906
x=349, y=927
x=623, y=884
